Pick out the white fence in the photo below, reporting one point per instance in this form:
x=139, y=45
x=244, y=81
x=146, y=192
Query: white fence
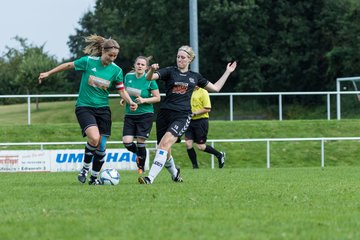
x=231, y=95
x=268, y=141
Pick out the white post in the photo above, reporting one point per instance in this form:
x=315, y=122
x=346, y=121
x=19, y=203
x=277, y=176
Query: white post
x=322, y=154
x=280, y=107
x=212, y=157
x=268, y=154
x=29, y=109
x=328, y=106
x=231, y=107
x=338, y=107
x=193, y=15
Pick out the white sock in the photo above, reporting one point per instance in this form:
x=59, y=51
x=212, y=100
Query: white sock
x=94, y=173
x=87, y=165
x=170, y=166
x=158, y=164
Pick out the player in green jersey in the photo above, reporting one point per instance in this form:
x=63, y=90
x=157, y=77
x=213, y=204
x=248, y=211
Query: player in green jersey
x=138, y=124
x=99, y=73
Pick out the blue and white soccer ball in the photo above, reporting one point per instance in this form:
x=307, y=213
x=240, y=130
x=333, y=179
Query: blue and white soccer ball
x=110, y=176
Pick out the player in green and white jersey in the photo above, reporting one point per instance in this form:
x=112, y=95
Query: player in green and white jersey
x=138, y=124
x=99, y=73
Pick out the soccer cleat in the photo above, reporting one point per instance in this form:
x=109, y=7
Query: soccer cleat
x=177, y=178
x=144, y=180
x=82, y=175
x=221, y=160
x=95, y=181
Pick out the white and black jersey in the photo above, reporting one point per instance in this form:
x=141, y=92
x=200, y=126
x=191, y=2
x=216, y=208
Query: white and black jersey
x=179, y=87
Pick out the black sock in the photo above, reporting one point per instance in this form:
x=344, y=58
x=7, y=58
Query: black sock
x=192, y=155
x=141, y=153
x=131, y=147
x=89, y=154
x=213, y=151
x=98, y=161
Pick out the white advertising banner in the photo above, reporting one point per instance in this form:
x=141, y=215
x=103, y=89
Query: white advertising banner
x=63, y=160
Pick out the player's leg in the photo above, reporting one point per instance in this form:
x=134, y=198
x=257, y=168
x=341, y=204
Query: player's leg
x=219, y=155
x=141, y=155
x=89, y=128
x=169, y=127
x=103, y=118
x=172, y=169
x=202, y=130
x=129, y=130
x=177, y=129
x=161, y=155
x=144, y=124
x=189, y=142
x=98, y=161
x=191, y=153
x=162, y=123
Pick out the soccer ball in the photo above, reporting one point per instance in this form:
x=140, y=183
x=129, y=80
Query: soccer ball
x=110, y=176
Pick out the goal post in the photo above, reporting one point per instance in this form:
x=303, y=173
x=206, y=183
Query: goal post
x=351, y=81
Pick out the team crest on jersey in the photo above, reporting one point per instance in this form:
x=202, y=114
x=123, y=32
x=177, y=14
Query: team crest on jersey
x=180, y=87
x=98, y=82
x=192, y=80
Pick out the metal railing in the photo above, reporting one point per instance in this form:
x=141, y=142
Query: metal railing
x=268, y=141
x=230, y=95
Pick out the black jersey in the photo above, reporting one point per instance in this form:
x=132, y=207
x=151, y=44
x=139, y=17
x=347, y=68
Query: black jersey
x=179, y=87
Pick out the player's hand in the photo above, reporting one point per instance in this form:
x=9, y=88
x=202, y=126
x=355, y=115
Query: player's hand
x=231, y=66
x=154, y=66
x=139, y=100
x=133, y=106
x=42, y=76
x=122, y=101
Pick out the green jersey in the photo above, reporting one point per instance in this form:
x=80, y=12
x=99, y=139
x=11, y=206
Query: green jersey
x=139, y=87
x=95, y=81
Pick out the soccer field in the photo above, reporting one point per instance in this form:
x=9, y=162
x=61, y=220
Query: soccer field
x=256, y=203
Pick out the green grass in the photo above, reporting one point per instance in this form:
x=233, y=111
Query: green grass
x=294, y=199
x=48, y=112
x=231, y=203
x=251, y=154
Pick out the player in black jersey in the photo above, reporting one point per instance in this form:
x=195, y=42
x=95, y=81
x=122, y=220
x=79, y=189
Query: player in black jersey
x=175, y=111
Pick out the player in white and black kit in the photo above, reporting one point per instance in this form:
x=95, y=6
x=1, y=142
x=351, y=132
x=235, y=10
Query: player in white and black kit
x=175, y=111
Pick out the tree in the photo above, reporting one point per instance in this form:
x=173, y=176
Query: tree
x=280, y=45
x=21, y=69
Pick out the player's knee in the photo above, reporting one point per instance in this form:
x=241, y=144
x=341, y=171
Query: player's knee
x=188, y=144
x=201, y=147
x=94, y=141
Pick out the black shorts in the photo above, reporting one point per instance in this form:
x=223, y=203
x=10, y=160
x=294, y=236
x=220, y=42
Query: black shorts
x=171, y=121
x=198, y=130
x=89, y=116
x=138, y=125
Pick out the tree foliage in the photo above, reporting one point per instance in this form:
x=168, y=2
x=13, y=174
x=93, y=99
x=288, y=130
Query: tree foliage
x=280, y=45
x=20, y=69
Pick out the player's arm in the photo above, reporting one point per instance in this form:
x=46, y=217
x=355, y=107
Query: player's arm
x=216, y=87
x=60, y=68
x=125, y=95
x=151, y=75
x=153, y=99
x=201, y=111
